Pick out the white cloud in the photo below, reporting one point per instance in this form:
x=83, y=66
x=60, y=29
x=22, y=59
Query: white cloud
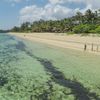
x=65, y=1
x=54, y=10
x=56, y=1
x=94, y=3
x=34, y=13
x=31, y=13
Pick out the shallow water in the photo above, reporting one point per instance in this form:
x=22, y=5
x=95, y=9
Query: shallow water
x=34, y=71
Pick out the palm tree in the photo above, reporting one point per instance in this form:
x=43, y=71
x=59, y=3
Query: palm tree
x=89, y=15
x=79, y=17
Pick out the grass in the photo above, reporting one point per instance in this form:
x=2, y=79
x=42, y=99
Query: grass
x=40, y=72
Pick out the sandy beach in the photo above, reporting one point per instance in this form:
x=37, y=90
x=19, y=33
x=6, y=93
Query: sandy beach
x=64, y=41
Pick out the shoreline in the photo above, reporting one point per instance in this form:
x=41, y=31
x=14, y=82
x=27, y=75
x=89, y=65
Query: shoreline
x=75, y=42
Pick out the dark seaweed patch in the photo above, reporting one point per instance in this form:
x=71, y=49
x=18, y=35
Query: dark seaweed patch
x=77, y=89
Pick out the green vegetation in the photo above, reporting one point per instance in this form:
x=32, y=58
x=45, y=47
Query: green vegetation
x=97, y=30
x=84, y=28
x=80, y=23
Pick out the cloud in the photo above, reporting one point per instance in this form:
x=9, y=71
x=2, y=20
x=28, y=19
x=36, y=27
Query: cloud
x=54, y=10
x=56, y=1
x=49, y=11
x=95, y=4
x=31, y=13
x=65, y=1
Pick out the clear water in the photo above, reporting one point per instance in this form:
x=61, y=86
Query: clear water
x=34, y=71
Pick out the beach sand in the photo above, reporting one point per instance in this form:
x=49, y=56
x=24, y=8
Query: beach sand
x=64, y=41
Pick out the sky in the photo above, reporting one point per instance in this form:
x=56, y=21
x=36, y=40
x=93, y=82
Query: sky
x=15, y=12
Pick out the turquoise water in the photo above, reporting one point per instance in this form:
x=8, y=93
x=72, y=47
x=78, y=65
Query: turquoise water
x=34, y=71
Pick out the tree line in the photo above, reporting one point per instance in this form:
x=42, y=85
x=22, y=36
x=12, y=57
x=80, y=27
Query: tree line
x=4, y=31
x=89, y=22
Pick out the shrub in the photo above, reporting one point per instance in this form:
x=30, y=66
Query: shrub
x=92, y=31
x=70, y=33
x=97, y=30
x=84, y=28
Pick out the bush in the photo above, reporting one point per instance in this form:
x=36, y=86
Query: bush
x=97, y=30
x=92, y=31
x=84, y=28
x=70, y=33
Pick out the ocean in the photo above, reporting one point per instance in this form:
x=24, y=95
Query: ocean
x=35, y=71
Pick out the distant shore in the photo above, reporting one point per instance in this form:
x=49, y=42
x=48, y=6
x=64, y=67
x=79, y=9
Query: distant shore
x=83, y=43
